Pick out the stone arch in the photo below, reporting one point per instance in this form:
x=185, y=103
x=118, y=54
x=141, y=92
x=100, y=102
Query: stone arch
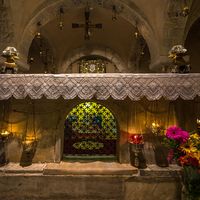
x=48, y=11
x=43, y=45
x=193, y=46
x=193, y=17
x=105, y=52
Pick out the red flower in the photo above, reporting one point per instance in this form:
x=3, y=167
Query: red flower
x=136, y=139
x=185, y=160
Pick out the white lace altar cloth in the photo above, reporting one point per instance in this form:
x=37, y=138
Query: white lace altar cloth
x=100, y=86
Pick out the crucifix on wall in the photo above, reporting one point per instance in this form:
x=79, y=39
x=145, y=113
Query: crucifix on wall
x=88, y=25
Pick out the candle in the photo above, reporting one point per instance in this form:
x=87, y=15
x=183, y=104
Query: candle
x=156, y=128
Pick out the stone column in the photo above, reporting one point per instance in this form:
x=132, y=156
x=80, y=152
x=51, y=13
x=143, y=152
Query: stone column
x=172, y=34
x=6, y=29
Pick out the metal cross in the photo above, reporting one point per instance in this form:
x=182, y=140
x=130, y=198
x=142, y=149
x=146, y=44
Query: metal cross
x=88, y=25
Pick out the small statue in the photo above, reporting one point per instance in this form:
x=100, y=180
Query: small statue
x=178, y=54
x=11, y=55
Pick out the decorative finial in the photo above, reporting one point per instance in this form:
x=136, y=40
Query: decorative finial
x=11, y=55
x=178, y=55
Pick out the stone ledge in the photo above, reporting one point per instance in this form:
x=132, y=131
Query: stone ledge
x=89, y=168
x=15, y=168
x=156, y=171
x=70, y=168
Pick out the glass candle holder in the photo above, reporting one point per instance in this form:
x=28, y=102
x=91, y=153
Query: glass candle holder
x=136, y=142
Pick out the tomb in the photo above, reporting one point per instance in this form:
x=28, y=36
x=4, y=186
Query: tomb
x=88, y=90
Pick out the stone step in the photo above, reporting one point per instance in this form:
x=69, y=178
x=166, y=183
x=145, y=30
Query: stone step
x=89, y=168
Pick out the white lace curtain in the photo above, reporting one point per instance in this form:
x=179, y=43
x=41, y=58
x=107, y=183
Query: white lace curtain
x=100, y=86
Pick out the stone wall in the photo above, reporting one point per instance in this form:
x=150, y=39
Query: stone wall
x=34, y=187
x=49, y=127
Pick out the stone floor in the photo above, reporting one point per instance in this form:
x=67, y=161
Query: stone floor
x=88, y=181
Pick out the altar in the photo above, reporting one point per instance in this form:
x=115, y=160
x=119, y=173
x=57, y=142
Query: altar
x=99, y=99
x=37, y=107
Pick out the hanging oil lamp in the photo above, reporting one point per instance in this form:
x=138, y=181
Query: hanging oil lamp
x=61, y=19
x=38, y=32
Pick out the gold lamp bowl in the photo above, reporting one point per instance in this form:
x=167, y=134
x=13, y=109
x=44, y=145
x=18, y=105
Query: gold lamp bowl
x=5, y=134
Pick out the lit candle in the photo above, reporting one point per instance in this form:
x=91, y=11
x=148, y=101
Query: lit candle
x=153, y=124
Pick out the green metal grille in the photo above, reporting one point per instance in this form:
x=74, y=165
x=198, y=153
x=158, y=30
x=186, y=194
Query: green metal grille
x=90, y=128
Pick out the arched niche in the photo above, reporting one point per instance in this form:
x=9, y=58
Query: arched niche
x=192, y=44
x=90, y=130
x=40, y=56
x=92, y=64
x=115, y=62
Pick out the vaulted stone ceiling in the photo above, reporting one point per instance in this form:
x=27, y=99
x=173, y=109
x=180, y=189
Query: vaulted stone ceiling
x=158, y=29
x=115, y=36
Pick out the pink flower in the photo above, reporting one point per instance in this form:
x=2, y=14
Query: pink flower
x=184, y=136
x=176, y=133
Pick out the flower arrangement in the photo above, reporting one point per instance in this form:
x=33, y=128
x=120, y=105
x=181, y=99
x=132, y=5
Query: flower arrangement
x=185, y=149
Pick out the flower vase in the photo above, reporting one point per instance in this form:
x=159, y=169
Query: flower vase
x=161, y=152
x=137, y=156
